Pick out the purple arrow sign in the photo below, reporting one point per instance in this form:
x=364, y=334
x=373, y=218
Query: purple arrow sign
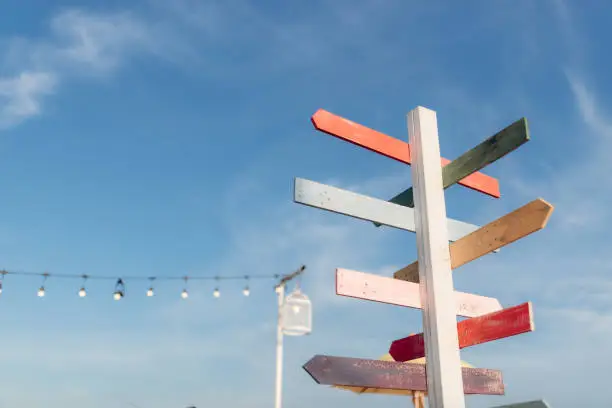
x=356, y=372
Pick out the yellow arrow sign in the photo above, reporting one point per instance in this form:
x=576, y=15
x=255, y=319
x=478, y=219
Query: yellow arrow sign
x=511, y=227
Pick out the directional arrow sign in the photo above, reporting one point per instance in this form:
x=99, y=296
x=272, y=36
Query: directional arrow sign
x=344, y=371
x=530, y=404
x=392, y=291
x=519, y=223
x=391, y=147
x=366, y=208
x=487, y=152
x=493, y=326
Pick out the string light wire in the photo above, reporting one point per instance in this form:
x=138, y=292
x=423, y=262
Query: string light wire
x=119, y=291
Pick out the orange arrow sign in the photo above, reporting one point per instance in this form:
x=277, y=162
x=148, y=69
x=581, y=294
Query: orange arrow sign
x=391, y=147
x=511, y=227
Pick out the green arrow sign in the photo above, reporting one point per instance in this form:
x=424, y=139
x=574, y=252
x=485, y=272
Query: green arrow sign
x=487, y=152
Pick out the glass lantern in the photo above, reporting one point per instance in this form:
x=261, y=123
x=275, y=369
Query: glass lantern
x=296, y=314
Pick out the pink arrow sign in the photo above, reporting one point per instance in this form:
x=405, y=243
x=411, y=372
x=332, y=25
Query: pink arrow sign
x=381, y=289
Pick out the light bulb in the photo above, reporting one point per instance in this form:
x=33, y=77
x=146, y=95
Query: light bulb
x=295, y=309
x=117, y=295
x=41, y=291
x=184, y=294
x=216, y=293
x=82, y=292
x=150, y=292
x=246, y=291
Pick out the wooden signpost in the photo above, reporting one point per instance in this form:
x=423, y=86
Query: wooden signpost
x=366, y=208
x=493, y=326
x=329, y=370
x=388, y=290
x=511, y=227
x=391, y=147
x=442, y=245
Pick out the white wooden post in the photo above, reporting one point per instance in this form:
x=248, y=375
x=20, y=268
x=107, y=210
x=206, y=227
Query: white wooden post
x=444, y=380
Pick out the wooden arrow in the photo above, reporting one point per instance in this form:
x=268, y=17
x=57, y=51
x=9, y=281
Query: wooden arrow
x=355, y=205
x=529, y=404
x=477, y=330
x=487, y=152
x=519, y=223
x=392, y=291
x=355, y=372
x=391, y=147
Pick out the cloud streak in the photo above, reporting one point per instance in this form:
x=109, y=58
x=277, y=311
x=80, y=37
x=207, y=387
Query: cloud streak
x=80, y=44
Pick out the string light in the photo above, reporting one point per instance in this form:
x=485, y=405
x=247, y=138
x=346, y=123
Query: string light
x=119, y=291
x=150, y=291
x=41, y=290
x=217, y=293
x=82, y=291
x=184, y=293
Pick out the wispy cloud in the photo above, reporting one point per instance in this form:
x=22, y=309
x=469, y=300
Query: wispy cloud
x=21, y=96
x=79, y=43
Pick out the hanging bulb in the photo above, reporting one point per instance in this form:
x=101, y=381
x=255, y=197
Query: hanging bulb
x=41, y=290
x=216, y=292
x=295, y=309
x=119, y=290
x=82, y=291
x=184, y=293
x=150, y=292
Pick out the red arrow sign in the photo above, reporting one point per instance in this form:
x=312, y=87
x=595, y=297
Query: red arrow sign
x=391, y=147
x=356, y=372
x=493, y=326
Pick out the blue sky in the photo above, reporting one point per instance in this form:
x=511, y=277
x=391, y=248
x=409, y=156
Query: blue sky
x=161, y=138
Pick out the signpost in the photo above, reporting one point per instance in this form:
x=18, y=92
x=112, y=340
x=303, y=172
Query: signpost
x=391, y=147
x=493, y=326
x=511, y=227
x=363, y=207
x=388, y=290
x=329, y=370
x=442, y=245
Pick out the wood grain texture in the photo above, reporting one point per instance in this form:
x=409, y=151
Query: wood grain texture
x=439, y=318
x=356, y=372
x=528, y=404
x=487, y=152
x=382, y=289
x=493, y=326
x=511, y=227
x=391, y=147
x=359, y=206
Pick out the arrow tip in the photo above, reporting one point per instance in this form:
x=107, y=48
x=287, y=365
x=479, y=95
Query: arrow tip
x=315, y=119
x=312, y=366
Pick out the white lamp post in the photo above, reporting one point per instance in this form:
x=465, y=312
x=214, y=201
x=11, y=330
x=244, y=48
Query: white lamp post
x=294, y=319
